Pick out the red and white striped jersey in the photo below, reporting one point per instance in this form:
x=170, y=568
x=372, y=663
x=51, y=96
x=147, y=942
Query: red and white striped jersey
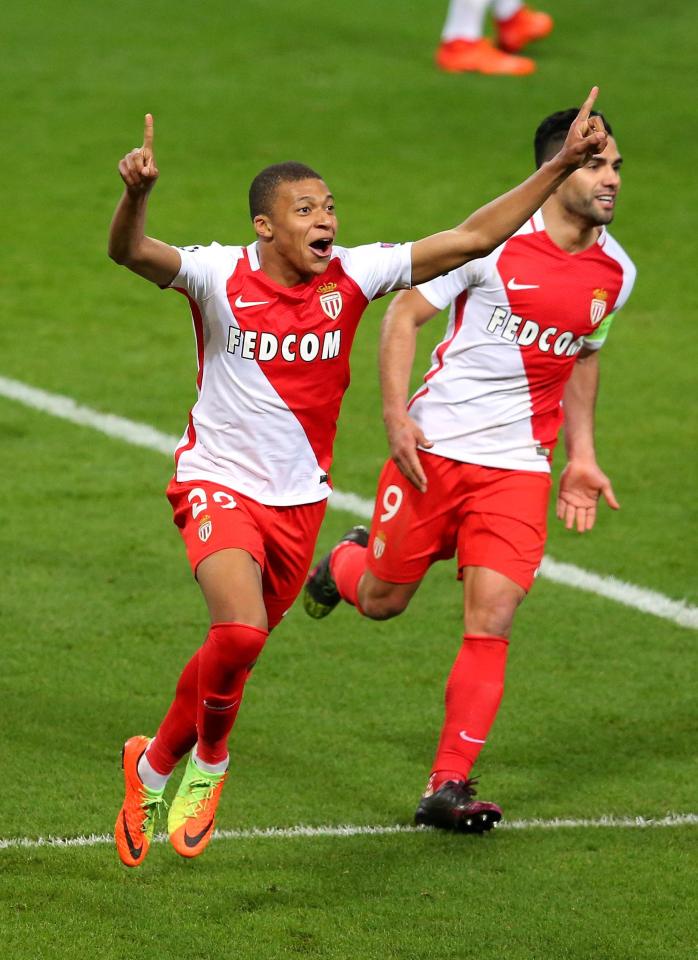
x=273, y=366
x=517, y=320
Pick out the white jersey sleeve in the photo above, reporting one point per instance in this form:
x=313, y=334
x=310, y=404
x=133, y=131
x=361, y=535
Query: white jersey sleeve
x=378, y=268
x=200, y=270
x=443, y=290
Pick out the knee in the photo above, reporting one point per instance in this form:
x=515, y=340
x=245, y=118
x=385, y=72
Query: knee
x=491, y=618
x=236, y=645
x=384, y=606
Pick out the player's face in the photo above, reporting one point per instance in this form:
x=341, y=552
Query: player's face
x=301, y=226
x=590, y=193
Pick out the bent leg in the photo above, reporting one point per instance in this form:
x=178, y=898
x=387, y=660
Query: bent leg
x=381, y=600
x=231, y=583
x=373, y=597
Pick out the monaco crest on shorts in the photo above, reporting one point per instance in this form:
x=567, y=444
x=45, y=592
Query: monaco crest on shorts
x=598, y=306
x=378, y=548
x=205, y=528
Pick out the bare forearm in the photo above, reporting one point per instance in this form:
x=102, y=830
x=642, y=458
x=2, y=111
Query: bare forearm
x=397, y=349
x=127, y=230
x=499, y=219
x=128, y=244
x=408, y=311
x=579, y=405
x=484, y=230
x=130, y=247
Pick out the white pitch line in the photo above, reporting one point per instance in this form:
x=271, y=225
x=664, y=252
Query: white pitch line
x=142, y=435
x=346, y=830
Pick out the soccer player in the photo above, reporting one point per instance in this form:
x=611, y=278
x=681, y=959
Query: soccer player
x=274, y=323
x=471, y=451
x=464, y=48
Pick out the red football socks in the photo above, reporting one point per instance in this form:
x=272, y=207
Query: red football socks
x=473, y=694
x=225, y=661
x=347, y=564
x=207, y=697
x=177, y=733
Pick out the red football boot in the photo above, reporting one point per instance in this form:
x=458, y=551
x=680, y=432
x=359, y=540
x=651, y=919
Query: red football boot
x=480, y=56
x=524, y=27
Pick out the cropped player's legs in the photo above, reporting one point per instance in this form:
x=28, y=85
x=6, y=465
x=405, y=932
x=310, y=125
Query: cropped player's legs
x=380, y=572
x=231, y=583
x=464, y=48
x=500, y=547
x=205, y=705
x=476, y=683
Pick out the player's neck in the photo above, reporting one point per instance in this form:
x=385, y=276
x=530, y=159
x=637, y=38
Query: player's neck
x=568, y=231
x=278, y=268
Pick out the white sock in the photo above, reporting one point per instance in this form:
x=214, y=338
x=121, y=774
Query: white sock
x=209, y=767
x=465, y=20
x=150, y=777
x=503, y=9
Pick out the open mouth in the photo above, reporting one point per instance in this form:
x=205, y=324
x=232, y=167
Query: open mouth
x=321, y=247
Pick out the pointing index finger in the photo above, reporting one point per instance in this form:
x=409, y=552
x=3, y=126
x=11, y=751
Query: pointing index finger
x=588, y=104
x=148, y=132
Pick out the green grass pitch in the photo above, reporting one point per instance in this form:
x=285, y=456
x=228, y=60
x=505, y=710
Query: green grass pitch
x=97, y=607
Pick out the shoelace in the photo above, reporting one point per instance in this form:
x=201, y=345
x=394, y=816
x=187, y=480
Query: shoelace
x=151, y=806
x=200, y=791
x=467, y=787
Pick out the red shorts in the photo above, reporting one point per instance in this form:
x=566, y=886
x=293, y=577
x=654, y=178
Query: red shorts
x=490, y=517
x=211, y=517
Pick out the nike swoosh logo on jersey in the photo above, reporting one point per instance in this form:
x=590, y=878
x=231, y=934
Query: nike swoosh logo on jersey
x=250, y=303
x=132, y=848
x=513, y=285
x=197, y=838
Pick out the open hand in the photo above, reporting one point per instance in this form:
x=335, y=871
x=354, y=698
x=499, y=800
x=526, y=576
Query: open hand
x=586, y=137
x=581, y=486
x=404, y=436
x=138, y=168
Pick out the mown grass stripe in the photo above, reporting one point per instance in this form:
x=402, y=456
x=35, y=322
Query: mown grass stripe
x=143, y=435
x=347, y=830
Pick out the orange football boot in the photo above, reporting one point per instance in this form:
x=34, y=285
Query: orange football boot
x=135, y=824
x=192, y=815
x=480, y=56
x=524, y=27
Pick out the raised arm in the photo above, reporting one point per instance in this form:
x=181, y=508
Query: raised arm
x=582, y=482
x=405, y=315
x=128, y=245
x=494, y=223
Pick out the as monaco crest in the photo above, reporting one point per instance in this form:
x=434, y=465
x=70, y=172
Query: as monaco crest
x=331, y=304
x=378, y=548
x=598, y=307
x=205, y=528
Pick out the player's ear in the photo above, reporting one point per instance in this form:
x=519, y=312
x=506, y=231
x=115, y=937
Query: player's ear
x=262, y=226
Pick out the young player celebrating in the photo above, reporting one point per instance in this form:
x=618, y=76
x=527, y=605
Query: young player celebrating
x=274, y=323
x=471, y=451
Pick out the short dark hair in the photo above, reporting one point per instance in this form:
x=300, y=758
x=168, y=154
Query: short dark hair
x=265, y=184
x=551, y=133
